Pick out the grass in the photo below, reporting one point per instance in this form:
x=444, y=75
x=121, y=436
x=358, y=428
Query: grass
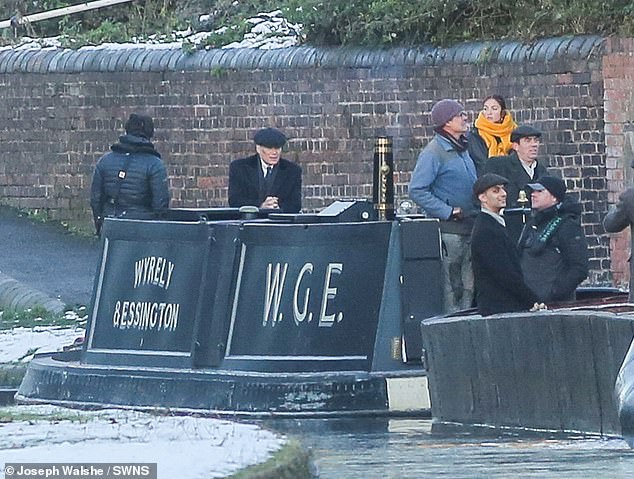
x=11, y=375
x=12, y=415
x=290, y=462
x=39, y=316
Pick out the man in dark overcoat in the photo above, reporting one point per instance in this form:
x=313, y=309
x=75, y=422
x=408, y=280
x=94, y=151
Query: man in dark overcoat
x=620, y=217
x=499, y=283
x=520, y=167
x=266, y=180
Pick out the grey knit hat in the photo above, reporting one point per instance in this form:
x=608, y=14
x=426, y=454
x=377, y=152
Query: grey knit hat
x=445, y=110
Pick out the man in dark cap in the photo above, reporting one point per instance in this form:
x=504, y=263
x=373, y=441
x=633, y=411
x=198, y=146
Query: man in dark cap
x=620, y=217
x=520, y=167
x=131, y=179
x=266, y=180
x=553, y=247
x=499, y=283
x=441, y=185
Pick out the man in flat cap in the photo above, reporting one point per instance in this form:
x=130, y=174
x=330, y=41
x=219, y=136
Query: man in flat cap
x=521, y=167
x=499, y=283
x=441, y=185
x=266, y=180
x=553, y=247
x=131, y=179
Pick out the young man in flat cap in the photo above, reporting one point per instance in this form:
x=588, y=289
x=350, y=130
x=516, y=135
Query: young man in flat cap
x=520, y=167
x=553, y=247
x=500, y=286
x=441, y=185
x=266, y=180
x=131, y=179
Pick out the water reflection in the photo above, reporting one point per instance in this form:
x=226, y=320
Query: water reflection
x=406, y=448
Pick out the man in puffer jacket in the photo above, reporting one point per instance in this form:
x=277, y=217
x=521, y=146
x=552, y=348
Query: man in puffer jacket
x=131, y=179
x=553, y=247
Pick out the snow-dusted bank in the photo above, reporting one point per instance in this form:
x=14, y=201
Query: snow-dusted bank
x=181, y=446
x=18, y=345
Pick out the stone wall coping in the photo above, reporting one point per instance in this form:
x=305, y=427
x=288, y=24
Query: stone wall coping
x=163, y=58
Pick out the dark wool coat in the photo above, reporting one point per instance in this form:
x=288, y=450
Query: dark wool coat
x=510, y=167
x=499, y=285
x=144, y=188
x=245, y=176
x=478, y=150
x=554, y=252
x=620, y=217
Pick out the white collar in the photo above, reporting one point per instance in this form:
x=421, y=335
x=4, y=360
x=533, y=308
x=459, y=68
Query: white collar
x=529, y=168
x=264, y=166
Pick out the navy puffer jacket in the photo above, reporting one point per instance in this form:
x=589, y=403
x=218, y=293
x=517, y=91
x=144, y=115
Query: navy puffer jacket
x=144, y=188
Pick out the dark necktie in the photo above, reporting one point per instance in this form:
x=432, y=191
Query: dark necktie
x=268, y=180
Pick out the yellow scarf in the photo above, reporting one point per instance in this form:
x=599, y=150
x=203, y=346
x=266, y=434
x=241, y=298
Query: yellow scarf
x=489, y=131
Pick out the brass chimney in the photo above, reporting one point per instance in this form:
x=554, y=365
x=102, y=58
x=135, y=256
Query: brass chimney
x=383, y=180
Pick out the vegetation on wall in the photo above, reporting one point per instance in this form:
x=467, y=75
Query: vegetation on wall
x=118, y=23
x=336, y=22
x=442, y=22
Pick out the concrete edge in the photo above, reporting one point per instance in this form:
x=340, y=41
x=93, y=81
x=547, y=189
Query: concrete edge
x=17, y=296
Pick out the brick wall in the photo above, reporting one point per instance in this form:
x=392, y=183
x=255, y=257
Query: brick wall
x=60, y=111
x=618, y=71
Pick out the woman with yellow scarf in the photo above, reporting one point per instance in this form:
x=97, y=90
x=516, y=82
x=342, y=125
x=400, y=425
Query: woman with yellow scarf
x=491, y=134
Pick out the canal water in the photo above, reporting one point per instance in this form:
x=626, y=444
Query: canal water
x=383, y=448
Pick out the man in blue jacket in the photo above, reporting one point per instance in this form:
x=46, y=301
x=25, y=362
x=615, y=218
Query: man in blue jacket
x=441, y=185
x=131, y=179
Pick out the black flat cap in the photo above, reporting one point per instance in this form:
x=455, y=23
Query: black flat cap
x=555, y=185
x=270, y=138
x=523, y=132
x=486, y=181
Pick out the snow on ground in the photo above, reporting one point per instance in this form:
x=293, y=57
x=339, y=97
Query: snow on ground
x=19, y=344
x=181, y=446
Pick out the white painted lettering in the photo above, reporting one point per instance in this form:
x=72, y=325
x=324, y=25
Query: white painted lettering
x=143, y=316
x=273, y=294
x=146, y=266
x=157, y=271
x=153, y=316
x=124, y=313
x=153, y=270
x=327, y=320
x=116, y=315
x=138, y=273
x=298, y=315
x=150, y=270
x=170, y=268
